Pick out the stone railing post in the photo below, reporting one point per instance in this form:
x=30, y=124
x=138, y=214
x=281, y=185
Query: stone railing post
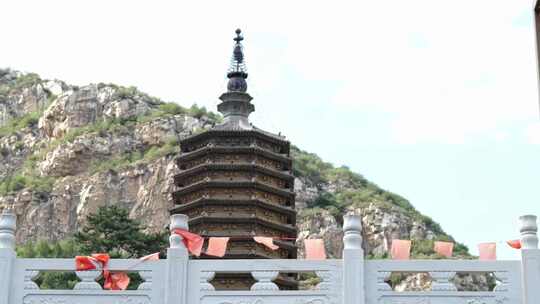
x=353, y=261
x=530, y=259
x=7, y=253
x=177, y=263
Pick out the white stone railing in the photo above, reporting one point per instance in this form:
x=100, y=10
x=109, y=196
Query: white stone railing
x=350, y=280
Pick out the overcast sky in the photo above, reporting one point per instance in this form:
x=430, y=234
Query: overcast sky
x=434, y=100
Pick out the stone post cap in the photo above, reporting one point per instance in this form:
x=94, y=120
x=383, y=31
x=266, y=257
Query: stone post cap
x=352, y=222
x=528, y=229
x=8, y=221
x=528, y=223
x=352, y=236
x=179, y=221
x=8, y=224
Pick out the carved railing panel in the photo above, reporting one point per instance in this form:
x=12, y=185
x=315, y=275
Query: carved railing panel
x=443, y=289
x=329, y=290
x=87, y=290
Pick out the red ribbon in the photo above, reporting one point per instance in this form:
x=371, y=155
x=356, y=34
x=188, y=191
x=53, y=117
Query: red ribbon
x=113, y=281
x=193, y=242
x=516, y=244
x=84, y=263
x=117, y=281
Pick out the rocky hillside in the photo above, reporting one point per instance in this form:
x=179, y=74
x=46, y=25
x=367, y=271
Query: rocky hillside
x=68, y=150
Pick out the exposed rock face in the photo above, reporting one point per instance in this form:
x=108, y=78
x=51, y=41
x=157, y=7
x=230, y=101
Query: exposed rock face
x=379, y=228
x=88, y=105
x=100, y=145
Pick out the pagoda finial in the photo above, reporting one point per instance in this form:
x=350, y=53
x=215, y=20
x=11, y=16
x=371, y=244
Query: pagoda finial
x=235, y=105
x=237, y=71
x=238, y=37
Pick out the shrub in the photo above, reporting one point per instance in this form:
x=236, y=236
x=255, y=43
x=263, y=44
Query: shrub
x=18, y=123
x=125, y=92
x=172, y=108
x=26, y=80
x=19, y=181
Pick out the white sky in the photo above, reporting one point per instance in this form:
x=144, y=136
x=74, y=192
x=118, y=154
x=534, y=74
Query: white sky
x=434, y=100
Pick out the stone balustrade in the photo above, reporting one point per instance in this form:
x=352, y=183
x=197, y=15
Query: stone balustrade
x=180, y=280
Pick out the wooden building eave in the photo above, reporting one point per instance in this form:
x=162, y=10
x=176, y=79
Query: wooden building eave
x=232, y=167
x=233, y=185
x=209, y=150
x=288, y=229
x=200, y=203
x=242, y=133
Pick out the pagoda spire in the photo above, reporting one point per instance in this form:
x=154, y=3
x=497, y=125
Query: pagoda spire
x=237, y=71
x=235, y=105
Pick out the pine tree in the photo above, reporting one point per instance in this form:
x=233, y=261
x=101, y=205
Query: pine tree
x=111, y=231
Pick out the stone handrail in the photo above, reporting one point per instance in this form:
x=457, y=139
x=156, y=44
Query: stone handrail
x=180, y=280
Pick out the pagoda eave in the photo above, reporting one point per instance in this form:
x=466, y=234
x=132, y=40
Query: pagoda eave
x=287, y=229
x=244, y=133
x=202, y=185
x=253, y=150
x=216, y=202
x=207, y=167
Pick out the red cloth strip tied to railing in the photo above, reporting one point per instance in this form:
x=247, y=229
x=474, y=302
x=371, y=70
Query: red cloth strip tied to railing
x=266, y=241
x=113, y=280
x=192, y=241
x=117, y=280
x=217, y=246
x=314, y=249
x=516, y=244
x=445, y=249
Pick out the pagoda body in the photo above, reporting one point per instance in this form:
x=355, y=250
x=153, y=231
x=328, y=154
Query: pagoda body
x=236, y=181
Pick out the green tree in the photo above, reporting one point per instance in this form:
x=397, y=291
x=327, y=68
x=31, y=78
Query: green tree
x=111, y=230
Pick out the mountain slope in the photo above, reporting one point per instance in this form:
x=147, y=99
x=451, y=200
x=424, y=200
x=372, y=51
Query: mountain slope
x=68, y=150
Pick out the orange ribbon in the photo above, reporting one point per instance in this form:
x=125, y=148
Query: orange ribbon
x=217, y=246
x=401, y=249
x=266, y=241
x=193, y=242
x=488, y=251
x=444, y=248
x=314, y=249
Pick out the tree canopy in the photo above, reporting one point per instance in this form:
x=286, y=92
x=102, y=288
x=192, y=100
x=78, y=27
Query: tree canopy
x=111, y=231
